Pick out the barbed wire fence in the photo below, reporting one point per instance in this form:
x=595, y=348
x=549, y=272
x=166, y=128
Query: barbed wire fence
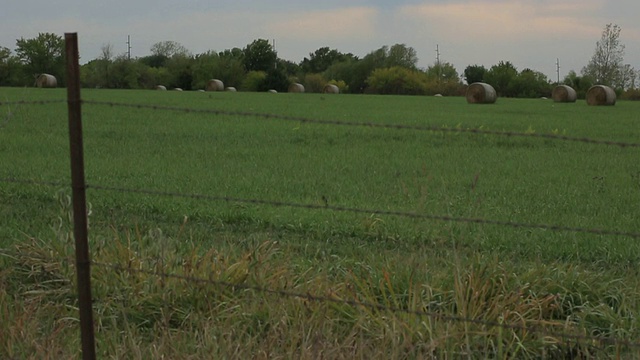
x=83, y=263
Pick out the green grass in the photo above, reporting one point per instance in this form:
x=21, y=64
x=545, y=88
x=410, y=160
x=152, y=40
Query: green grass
x=563, y=281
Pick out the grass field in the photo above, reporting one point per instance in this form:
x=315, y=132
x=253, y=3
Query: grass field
x=557, y=282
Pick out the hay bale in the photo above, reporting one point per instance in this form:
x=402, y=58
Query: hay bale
x=230, y=89
x=331, y=89
x=601, y=95
x=177, y=89
x=564, y=94
x=46, y=81
x=161, y=87
x=215, y=85
x=481, y=93
x=272, y=91
x=438, y=95
x=296, y=88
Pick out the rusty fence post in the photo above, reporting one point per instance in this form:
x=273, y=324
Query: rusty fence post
x=78, y=186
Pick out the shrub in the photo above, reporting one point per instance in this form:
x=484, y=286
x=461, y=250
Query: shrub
x=631, y=94
x=314, y=83
x=253, y=81
x=397, y=81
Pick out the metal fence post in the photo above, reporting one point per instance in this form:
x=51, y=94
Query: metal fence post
x=80, y=232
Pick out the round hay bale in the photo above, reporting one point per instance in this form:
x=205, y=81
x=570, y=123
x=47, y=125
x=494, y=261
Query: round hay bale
x=272, y=91
x=296, y=88
x=438, y=95
x=601, y=95
x=46, y=81
x=177, y=89
x=481, y=93
x=331, y=89
x=230, y=89
x=161, y=87
x=564, y=94
x=215, y=85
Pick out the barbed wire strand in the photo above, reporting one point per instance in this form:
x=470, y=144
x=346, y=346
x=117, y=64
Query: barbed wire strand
x=379, y=307
x=366, y=124
x=33, y=102
x=445, y=218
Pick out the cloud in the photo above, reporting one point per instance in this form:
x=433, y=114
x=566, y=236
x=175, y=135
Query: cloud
x=507, y=20
x=355, y=23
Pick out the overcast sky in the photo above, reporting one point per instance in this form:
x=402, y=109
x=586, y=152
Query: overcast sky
x=529, y=33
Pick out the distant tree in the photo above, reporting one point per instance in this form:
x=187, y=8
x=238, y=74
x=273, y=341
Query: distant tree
x=289, y=67
x=259, y=56
x=351, y=71
x=443, y=79
x=235, y=53
x=579, y=83
x=627, y=78
x=10, y=67
x=442, y=72
x=162, y=51
x=530, y=84
x=474, y=73
x=606, y=64
x=321, y=59
x=500, y=76
x=169, y=49
x=43, y=54
x=276, y=79
x=104, y=65
x=401, y=55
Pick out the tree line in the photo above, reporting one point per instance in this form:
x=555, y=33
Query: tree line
x=257, y=67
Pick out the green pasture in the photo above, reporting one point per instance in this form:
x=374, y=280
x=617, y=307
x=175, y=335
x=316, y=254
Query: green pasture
x=226, y=152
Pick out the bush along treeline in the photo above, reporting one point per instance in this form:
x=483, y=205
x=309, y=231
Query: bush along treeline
x=257, y=67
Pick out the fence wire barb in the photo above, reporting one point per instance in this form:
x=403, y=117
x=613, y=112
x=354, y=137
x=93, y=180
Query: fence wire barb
x=365, y=124
x=355, y=303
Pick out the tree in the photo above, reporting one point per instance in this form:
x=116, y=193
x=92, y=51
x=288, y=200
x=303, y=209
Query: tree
x=9, y=68
x=259, y=56
x=530, y=84
x=169, y=49
x=579, y=83
x=401, y=55
x=321, y=59
x=606, y=64
x=474, y=73
x=276, y=79
x=500, y=76
x=443, y=72
x=43, y=54
x=627, y=79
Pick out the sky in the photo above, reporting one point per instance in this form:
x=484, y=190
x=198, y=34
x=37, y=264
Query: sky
x=535, y=34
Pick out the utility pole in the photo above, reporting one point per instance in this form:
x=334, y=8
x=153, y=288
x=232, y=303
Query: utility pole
x=438, y=62
x=129, y=47
x=275, y=65
x=558, y=69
